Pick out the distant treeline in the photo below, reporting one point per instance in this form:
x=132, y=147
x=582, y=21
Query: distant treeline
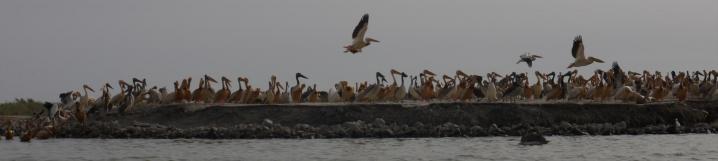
x=20, y=107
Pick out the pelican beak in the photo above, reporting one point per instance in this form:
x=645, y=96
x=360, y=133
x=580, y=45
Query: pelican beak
x=403, y=74
x=570, y=66
x=109, y=86
x=393, y=71
x=88, y=87
x=208, y=78
x=368, y=39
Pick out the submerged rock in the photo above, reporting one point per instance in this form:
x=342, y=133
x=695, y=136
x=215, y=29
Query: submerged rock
x=533, y=138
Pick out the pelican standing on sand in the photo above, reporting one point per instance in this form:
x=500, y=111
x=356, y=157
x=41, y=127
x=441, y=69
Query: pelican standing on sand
x=577, y=52
x=528, y=58
x=358, y=40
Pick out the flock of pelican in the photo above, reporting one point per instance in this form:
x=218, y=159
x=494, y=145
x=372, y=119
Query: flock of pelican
x=608, y=85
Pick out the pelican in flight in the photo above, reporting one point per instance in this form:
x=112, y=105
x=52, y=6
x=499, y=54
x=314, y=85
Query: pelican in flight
x=529, y=58
x=359, y=41
x=577, y=52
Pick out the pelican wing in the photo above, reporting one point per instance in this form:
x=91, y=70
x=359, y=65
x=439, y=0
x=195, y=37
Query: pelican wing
x=577, y=49
x=525, y=56
x=360, y=29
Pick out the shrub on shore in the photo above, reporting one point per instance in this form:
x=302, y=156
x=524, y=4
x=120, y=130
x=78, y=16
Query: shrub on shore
x=21, y=107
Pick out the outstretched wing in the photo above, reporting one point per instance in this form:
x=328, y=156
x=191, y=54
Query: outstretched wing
x=360, y=29
x=577, y=49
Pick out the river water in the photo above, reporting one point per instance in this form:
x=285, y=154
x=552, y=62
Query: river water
x=619, y=147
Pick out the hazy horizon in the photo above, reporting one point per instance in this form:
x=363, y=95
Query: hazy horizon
x=48, y=47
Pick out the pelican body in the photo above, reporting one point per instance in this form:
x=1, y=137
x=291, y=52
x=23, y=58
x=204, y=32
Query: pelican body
x=358, y=40
x=577, y=52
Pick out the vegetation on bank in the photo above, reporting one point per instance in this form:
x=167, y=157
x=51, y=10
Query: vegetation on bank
x=20, y=107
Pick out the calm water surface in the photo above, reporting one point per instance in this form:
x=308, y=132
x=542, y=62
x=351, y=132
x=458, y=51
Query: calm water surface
x=623, y=147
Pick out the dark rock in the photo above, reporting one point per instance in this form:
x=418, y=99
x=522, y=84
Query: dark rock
x=533, y=138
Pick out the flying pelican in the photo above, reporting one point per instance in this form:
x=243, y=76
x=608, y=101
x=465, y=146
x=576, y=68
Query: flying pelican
x=577, y=52
x=528, y=58
x=359, y=41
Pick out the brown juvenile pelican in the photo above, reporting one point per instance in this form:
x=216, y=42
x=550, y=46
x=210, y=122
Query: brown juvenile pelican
x=296, y=91
x=389, y=92
x=236, y=97
x=186, y=94
x=223, y=94
x=538, y=88
x=414, y=88
x=129, y=100
x=196, y=94
x=175, y=96
x=427, y=85
x=153, y=95
x=358, y=40
x=270, y=94
x=210, y=91
x=204, y=93
x=120, y=97
x=104, y=101
x=86, y=100
x=528, y=58
x=577, y=52
x=345, y=92
x=372, y=91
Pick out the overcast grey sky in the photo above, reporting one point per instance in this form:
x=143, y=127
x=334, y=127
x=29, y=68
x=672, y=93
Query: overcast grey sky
x=53, y=46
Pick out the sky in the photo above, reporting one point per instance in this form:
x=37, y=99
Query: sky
x=50, y=46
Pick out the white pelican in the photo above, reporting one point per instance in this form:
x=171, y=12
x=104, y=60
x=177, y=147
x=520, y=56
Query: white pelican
x=359, y=41
x=528, y=58
x=577, y=52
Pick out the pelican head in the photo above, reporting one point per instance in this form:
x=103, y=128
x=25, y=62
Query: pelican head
x=122, y=83
x=225, y=79
x=379, y=75
x=108, y=86
x=135, y=81
x=404, y=74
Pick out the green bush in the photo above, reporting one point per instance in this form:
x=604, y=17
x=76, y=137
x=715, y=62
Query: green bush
x=21, y=107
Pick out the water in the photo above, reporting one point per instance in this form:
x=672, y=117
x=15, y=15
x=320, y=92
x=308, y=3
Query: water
x=623, y=147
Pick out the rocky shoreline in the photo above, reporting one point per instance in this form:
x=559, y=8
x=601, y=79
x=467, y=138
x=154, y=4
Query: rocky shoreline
x=397, y=120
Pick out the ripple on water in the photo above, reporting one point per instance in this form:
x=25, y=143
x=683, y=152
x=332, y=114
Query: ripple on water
x=623, y=147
